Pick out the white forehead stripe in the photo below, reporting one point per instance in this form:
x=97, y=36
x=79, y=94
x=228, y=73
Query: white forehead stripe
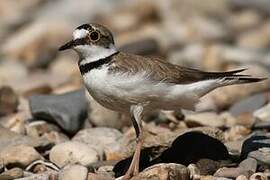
x=79, y=33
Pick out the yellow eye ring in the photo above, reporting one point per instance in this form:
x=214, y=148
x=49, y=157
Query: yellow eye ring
x=94, y=36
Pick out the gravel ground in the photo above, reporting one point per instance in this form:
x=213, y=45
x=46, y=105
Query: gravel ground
x=50, y=128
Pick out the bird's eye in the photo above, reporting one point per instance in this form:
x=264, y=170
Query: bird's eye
x=94, y=36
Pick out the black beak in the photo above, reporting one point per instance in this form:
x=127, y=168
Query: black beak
x=68, y=45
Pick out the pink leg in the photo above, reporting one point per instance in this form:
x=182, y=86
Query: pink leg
x=133, y=170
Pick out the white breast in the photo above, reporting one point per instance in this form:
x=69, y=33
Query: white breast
x=121, y=89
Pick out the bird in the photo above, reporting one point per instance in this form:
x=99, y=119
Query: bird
x=135, y=85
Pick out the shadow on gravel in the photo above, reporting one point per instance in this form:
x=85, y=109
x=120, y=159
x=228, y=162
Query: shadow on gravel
x=187, y=148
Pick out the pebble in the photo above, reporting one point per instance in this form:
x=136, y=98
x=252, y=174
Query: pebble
x=100, y=138
x=68, y=110
x=164, y=171
x=262, y=155
x=93, y=176
x=9, y=138
x=249, y=164
x=73, y=172
x=263, y=113
x=194, y=171
x=19, y=156
x=259, y=175
x=71, y=152
x=236, y=133
x=47, y=175
x=234, y=147
x=241, y=177
x=232, y=172
x=8, y=100
x=207, y=166
x=204, y=119
x=13, y=173
x=248, y=105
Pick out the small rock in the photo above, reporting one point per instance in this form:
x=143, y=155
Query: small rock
x=73, y=152
x=55, y=137
x=68, y=110
x=241, y=177
x=263, y=113
x=9, y=138
x=234, y=147
x=73, y=172
x=164, y=171
x=231, y=172
x=262, y=155
x=47, y=175
x=249, y=164
x=194, y=171
x=93, y=176
x=236, y=133
x=213, y=178
x=12, y=174
x=8, y=100
x=100, y=138
x=248, y=105
x=38, y=128
x=207, y=166
x=244, y=119
x=20, y=155
x=204, y=119
x=259, y=176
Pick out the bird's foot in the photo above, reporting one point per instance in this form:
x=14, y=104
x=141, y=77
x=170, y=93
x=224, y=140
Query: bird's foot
x=133, y=169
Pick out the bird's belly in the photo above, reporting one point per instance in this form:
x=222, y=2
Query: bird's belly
x=119, y=91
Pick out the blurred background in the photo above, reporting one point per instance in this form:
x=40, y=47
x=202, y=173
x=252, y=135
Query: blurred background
x=213, y=35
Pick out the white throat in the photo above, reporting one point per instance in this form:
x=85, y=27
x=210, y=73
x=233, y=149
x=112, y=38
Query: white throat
x=93, y=53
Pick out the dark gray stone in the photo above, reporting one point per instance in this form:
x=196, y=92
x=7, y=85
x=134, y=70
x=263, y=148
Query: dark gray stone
x=249, y=104
x=68, y=110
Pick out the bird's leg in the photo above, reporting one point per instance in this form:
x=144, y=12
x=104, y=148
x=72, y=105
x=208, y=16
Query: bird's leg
x=136, y=116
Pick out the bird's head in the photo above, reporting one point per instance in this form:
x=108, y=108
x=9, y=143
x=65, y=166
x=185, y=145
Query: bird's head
x=91, y=40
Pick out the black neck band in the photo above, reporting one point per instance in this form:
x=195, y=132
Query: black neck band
x=84, y=68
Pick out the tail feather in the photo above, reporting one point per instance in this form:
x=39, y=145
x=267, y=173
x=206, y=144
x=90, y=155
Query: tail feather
x=241, y=80
x=215, y=75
